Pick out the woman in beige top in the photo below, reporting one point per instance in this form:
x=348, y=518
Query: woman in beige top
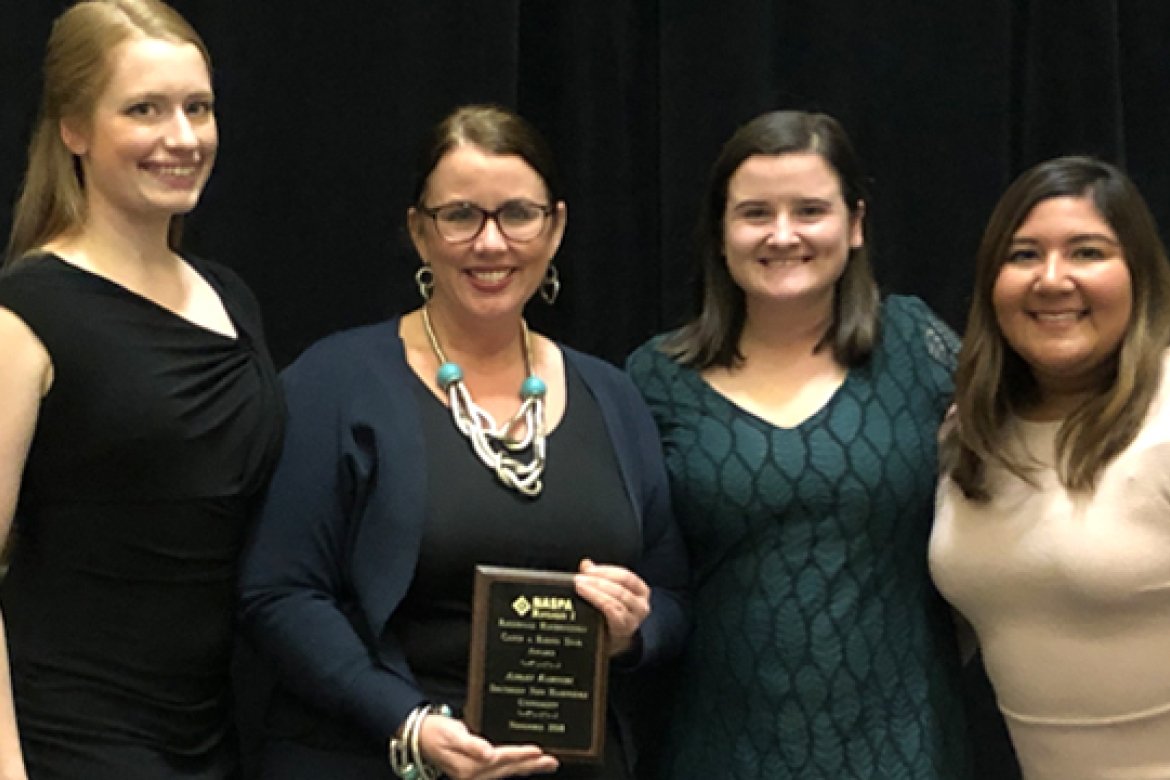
x=1053, y=529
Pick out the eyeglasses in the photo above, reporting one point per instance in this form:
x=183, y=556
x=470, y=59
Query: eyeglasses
x=460, y=222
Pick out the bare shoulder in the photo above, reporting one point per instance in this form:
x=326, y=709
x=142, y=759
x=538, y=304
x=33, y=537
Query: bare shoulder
x=26, y=363
x=25, y=376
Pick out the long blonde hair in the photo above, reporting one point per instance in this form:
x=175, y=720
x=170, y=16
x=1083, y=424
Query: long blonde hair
x=993, y=383
x=77, y=69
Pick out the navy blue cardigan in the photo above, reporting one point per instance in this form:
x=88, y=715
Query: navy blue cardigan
x=337, y=540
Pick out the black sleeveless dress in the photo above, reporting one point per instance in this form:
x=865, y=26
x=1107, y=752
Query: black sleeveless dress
x=119, y=603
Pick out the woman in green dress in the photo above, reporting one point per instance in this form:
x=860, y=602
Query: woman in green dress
x=799, y=413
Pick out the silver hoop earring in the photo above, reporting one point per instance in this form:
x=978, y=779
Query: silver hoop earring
x=424, y=277
x=550, y=286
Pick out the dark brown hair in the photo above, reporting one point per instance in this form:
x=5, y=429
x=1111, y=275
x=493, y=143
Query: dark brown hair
x=495, y=130
x=993, y=382
x=712, y=338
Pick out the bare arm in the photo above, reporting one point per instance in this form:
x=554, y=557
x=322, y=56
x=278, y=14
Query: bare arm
x=25, y=375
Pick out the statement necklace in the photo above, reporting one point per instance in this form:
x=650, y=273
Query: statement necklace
x=496, y=445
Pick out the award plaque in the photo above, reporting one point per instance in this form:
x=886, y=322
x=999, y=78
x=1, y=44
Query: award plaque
x=538, y=664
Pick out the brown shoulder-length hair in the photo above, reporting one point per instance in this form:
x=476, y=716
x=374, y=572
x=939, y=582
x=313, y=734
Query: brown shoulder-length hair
x=495, y=130
x=77, y=69
x=993, y=382
x=712, y=338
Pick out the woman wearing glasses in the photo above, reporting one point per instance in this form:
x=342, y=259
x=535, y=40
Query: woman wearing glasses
x=450, y=437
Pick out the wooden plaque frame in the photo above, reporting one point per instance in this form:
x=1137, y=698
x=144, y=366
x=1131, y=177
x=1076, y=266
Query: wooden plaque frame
x=539, y=666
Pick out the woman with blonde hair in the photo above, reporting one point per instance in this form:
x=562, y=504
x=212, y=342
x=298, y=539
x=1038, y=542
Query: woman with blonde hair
x=1052, y=535
x=141, y=415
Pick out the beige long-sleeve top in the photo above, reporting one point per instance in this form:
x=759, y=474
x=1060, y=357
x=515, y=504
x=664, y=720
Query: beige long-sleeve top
x=1069, y=595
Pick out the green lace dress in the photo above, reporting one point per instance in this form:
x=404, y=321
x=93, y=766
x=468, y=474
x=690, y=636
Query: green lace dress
x=820, y=648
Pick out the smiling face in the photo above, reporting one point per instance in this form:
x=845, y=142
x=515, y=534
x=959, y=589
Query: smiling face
x=1063, y=296
x=489, y=276
x=147, y=150
x=786, y=229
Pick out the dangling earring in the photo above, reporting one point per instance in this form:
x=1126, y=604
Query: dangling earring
x=550, y=287
x=424, y=277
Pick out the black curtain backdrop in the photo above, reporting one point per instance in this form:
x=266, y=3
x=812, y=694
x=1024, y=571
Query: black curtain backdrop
x=322, y=106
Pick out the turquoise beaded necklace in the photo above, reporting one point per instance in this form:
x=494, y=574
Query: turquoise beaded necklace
x=497, y=446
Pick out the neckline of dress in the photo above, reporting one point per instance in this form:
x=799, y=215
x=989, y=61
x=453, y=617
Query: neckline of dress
x=820, y=411
x=155, y=305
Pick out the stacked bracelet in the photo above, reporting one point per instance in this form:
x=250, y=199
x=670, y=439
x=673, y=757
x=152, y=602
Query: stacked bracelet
x=405, y=757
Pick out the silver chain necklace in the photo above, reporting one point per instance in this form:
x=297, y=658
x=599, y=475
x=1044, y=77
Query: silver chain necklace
x=495, y=445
